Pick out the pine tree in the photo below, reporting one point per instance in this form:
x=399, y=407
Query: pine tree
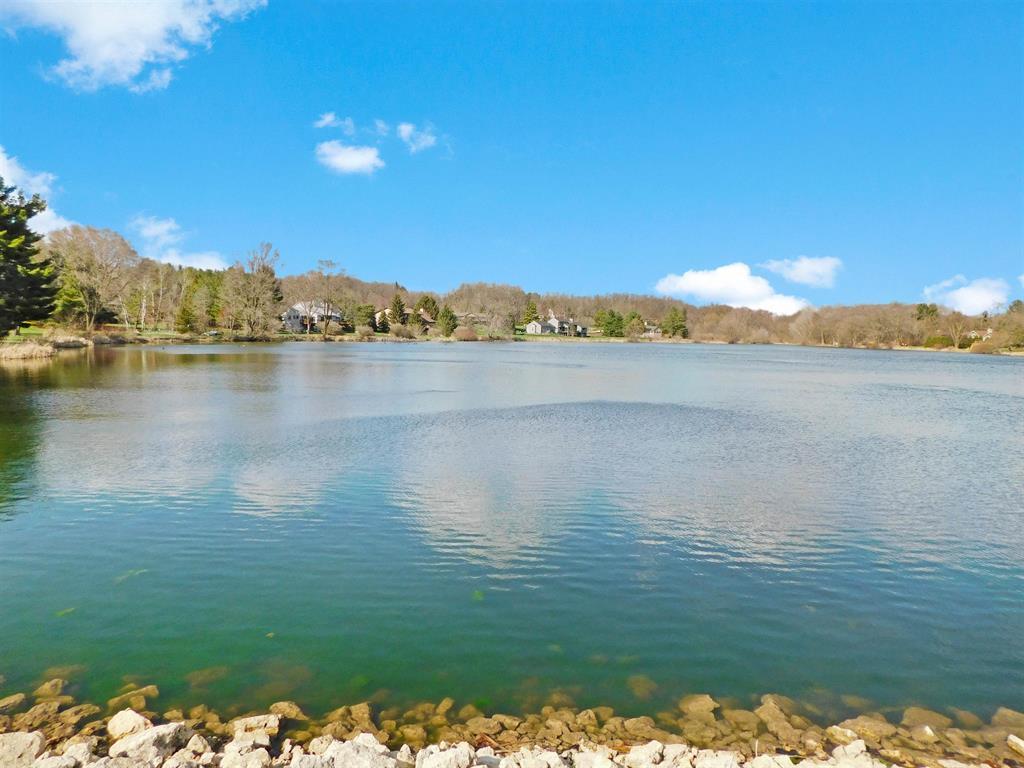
x=428, y=304
x=382, y=325
x=27, y=290
x=397, y=310
x=675, y=323
x=447, y=321
x=530, y=313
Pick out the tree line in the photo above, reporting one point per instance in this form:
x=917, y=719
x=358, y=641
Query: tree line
x=85, y=277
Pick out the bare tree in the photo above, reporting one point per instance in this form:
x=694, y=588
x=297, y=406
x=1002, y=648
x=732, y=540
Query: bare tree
x=252, y=292
x=956, y=325
x=96, y=267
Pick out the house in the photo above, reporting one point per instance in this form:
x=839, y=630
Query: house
x=536, y=328
x=980, y=335
x=306, y=315
x=651, y=331
x=556, y=325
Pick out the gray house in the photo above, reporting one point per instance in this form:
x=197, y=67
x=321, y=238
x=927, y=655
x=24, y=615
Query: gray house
x=305, y=316
x=556, y=325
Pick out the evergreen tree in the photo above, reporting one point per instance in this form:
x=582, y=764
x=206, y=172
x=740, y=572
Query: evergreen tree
x=397, y=310
x=530, y=313
x=635, y=326
x=447, y=322
x=27, y=290
x=428, y=304
x=382, y=325
x=674, y=323
x=612, y=323
x=185, y=321
x=364, y=315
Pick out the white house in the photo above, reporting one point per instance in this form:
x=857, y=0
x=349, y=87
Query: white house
x=307, y=315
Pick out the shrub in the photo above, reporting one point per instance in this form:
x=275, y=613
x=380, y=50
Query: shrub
x=402, y=332
x=465, y=333
x=938, y=342
x=983, y=348
x=364, y=332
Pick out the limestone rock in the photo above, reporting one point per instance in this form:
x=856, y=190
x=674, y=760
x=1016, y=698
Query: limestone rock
x=55, y=761
x=1016, y=744
x=777, y=724
x=268, y=724
x=135, y=698
x=19, y=750
x=11, y=703
x=841, y=736
x=152, y=744
x=645, y=755
x=710, y=758
x=871, y=729
x=76, y=714
x=125, y=723
x=699, y=702
x=1009, y=719
x=289, y=710
x=364, y=751
x=50, y=688
x=35, y=717
x=915, y=716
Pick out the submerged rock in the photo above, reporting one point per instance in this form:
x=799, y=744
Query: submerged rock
x=916, y=716
x=12, y=702
x=1009, y=719
x=697, y=703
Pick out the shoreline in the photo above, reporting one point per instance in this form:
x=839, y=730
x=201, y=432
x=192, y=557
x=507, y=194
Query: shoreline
x=50, y=729
x=41, y=348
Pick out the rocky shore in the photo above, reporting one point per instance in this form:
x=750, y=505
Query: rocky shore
x=49, y=729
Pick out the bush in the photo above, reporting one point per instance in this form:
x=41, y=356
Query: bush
x=938, y=342
x=26, y=350
x=364, y=332
x=465, y=333
x=402, y=332
x=983, y=348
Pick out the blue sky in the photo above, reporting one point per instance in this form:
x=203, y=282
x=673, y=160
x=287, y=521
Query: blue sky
x=759, y=154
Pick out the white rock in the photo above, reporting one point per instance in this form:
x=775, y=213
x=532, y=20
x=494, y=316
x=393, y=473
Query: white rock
x=1016, y=743
x=258, y=758
x=715, y=758
x=771, y=761
x=320, y=744
x=268, y=724
x=19, y=750
x=460, y=756
x=125, y=723
x=197, y=745
x=81, y=751
x=364, y=751
x=644, y=755
x=55, y=761
x=851, y=750
x=152, y=745
x=678, y=756
x=309, y=761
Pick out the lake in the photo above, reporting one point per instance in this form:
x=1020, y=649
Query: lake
x=620, y=523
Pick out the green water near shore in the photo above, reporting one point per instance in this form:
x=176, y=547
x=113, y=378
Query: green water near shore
x=622, y=523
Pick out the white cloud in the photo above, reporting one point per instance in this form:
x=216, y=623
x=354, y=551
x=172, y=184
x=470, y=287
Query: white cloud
x=33, y=183
x=159, y=239
x=731, y=284
x=343, y=158
x=972, y=297
x=1021, y=278
x=125, y=42
x=381, y=127
x=807, y=270
x=417, y=139
x=331, y=120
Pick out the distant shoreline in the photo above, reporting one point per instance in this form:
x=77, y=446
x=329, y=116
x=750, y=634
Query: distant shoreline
x=38, y=347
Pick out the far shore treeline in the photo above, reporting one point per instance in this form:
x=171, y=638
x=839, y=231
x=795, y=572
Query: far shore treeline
x=81, y=278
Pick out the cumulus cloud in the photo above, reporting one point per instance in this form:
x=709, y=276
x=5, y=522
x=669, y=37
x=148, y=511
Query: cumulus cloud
x=331, y=120
x=125, y=42
x=807, y=270
x=33, y=183
x=731, y=284
x=417, y=139
x=344, y=158
x=972, y=297
x=160, y=239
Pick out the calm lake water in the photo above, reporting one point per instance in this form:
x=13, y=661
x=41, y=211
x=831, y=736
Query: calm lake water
x=327, y=523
